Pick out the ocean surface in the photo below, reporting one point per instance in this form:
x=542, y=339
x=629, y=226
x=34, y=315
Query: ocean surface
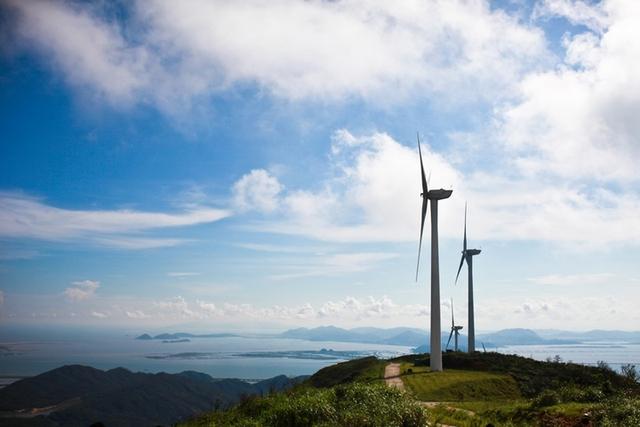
x=246, y=357
x=228, y=357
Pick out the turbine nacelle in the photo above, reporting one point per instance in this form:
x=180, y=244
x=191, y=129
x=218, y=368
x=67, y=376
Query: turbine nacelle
x=439, y=194
x=472, y=252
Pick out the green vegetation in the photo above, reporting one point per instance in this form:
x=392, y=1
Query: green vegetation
x=367, y=369
x=458, y=385
x=355, y=405
x=532, y=376
x=474, y=391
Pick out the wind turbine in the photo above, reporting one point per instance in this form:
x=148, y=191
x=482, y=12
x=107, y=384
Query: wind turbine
x=433, y=196
x=467, y=255
x=455, y=331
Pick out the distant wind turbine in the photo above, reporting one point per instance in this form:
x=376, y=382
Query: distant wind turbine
x=455, y=331
x=467, y=255
x=433, y=196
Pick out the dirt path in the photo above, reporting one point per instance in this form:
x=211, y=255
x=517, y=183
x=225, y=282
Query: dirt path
x=446, y=405
x=392, y=376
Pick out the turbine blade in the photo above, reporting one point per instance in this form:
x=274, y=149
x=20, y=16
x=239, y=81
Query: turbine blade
x=449, y=340
x=425, y=186
x=464, y=241
x=460, y=268
x=424, y=216
x=453, y=322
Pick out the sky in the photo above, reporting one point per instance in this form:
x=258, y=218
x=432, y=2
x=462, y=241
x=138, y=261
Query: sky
x=219, y=165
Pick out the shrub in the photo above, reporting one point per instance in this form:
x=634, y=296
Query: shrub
x=630, y=372
x=573, y=393
x=353, y=405
x=546, y=398
x=618, y=412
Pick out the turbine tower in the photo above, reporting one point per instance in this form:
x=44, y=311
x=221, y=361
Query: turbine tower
x=455, y=331
x=435, y=349
x=467, y=255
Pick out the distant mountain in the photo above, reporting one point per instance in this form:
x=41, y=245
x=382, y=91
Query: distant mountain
x=413, y=337
x=593, y=335
x=181, y=335
x=518, y=336
x=395, y=336
x=79, y=395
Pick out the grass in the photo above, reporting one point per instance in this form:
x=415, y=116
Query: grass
x=367, y=369
x=460, y=385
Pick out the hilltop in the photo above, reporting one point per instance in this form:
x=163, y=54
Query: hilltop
x=474, y=390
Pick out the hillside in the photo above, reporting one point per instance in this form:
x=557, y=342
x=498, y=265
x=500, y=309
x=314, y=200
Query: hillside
x=79, y=395
x=474, y=390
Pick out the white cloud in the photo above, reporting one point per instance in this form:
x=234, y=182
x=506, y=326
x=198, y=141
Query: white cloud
x=171, y=53
x=182, y=273
x=209, y=308
x=335, y=264
x=572, y=279
x=373, y=196
x=1, y=297
x=99, y=315
x=257, y=190
x=579, y=121
x=578, y=12
x=137, y=314
x=89, y=51
x=567, y=313
x=26, y=217
x=492, y=313
x=177, y=306
x=82, y=290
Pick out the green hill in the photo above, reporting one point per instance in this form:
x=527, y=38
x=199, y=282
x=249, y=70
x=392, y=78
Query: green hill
x=474, y=390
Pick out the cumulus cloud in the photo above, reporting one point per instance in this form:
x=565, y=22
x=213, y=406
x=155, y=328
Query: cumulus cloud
x=170, y=53
x=177, y=306
x=578, y=121
x=136, y=314
x=257, y=190
x=22, y=216
x=82, y=290
x=99, y=314
x=373, y=196
x=573, y=313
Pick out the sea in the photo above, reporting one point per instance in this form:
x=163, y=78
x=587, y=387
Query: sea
x=249, y=357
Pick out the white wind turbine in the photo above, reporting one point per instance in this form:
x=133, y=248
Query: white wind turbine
x=435, y=349
x=467, y=255
x=455, y=331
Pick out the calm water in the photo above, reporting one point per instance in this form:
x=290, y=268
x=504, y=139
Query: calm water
x=219, y=357
x=615, y=354
x=214, y=356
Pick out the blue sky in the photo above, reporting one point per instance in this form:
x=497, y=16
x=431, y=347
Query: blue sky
x=253, y=165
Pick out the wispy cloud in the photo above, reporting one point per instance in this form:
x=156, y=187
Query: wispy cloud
x=572, y=279
x=335, y=265
x=182, y=274
x=22, y=216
